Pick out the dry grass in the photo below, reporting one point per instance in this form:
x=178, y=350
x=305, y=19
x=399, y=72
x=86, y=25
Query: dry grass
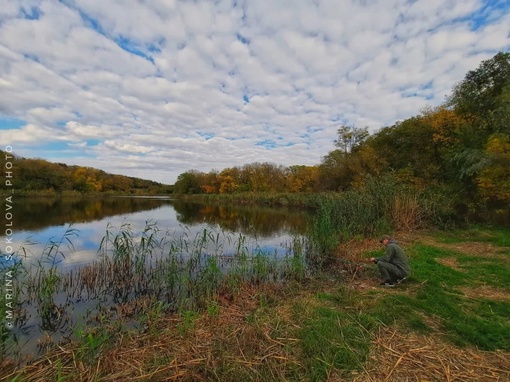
x=180, y=351
x=471, y=248
x=402, y=357
x=249, y=339
x=485, y=291
x=451, y=262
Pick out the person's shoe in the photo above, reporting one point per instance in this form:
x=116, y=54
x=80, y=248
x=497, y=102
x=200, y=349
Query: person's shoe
x=388, y=283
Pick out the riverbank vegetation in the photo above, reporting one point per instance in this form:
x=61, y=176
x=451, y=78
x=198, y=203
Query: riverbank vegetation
x=448, y=322
x=455, y=155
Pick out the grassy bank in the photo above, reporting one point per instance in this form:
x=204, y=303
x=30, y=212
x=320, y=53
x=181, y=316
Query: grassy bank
x=310, y=200
x=449, y=321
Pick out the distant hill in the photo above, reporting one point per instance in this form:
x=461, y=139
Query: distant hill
x=39, y=176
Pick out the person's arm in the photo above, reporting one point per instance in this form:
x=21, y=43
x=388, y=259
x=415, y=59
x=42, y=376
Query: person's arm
x=387, y=255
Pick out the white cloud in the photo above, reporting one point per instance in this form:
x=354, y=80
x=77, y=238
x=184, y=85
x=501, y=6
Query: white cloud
x=152, y=89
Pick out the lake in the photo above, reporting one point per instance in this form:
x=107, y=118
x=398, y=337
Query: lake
x=72, y=256
x=36, y=222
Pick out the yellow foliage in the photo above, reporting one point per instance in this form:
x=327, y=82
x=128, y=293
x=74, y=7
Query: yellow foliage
x=494, y=181
x=446, y=124
x=302, y=178
x=227, y=184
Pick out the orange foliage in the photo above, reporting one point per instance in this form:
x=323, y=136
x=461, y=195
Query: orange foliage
x=208, y=189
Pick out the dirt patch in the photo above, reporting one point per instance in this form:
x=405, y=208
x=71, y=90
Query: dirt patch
x=470, y=248
x=449, y=262
x=485, y=291
x=411, y=357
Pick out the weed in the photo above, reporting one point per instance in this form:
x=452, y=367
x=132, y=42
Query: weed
x=91, y=343
x=213, y=308
x=188, y=321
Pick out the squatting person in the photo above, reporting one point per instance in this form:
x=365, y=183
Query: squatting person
x=394, y=265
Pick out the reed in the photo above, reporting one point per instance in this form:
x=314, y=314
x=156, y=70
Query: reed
x=139, y=276
x=381, y=205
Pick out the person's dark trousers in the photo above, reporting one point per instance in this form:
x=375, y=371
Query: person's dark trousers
x=389, y=271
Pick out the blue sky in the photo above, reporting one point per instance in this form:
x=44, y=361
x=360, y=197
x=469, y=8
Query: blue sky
x=155, y=88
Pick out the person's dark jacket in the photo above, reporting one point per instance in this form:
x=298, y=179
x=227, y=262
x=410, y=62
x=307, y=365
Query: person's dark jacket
x=396, y=256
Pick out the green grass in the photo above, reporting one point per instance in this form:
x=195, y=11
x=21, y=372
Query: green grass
x=435, y=290
x=337, y=328
x=498, y=236
x=332, y=338
x=493, y=272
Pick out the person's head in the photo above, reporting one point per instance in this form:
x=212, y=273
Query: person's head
x=385, y=239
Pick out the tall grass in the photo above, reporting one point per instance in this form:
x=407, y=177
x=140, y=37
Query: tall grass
x=383, y=205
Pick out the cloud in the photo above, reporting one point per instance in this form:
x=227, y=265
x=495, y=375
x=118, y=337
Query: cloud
x=153, y=89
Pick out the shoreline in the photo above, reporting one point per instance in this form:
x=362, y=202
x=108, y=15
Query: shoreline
x=340, y=324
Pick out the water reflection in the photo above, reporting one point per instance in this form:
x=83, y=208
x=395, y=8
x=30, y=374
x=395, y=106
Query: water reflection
x=36, y=213
x=259, y=221
x=39, y=213
x=44, y=220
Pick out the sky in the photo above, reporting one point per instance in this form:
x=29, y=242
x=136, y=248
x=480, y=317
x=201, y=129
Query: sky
x=155, y=88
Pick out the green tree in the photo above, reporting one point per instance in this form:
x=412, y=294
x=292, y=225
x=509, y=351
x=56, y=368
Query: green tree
x=350, y=137
x=479, y=94
x=408, y=147
x=482, y=99
x=188, y=183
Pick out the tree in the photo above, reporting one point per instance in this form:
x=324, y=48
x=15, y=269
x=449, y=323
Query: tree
x=494, y=179
x=409, y=145
x=264, y=177
x=481, y=93
x=188, y=183
x=211, y=183
x=227, y=182
x=301, y=178
x=482, y=100
x=350, y=137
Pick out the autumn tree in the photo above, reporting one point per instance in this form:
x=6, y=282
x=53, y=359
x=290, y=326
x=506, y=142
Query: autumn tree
x=265, y=177
x=494, y=179
x=301, y=178
x=227, y=182
x=211, y=183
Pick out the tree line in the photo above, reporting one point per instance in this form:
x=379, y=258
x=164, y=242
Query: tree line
x=38, y=176
x=460, y=149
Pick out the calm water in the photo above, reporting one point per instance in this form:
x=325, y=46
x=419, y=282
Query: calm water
x=38, y=224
